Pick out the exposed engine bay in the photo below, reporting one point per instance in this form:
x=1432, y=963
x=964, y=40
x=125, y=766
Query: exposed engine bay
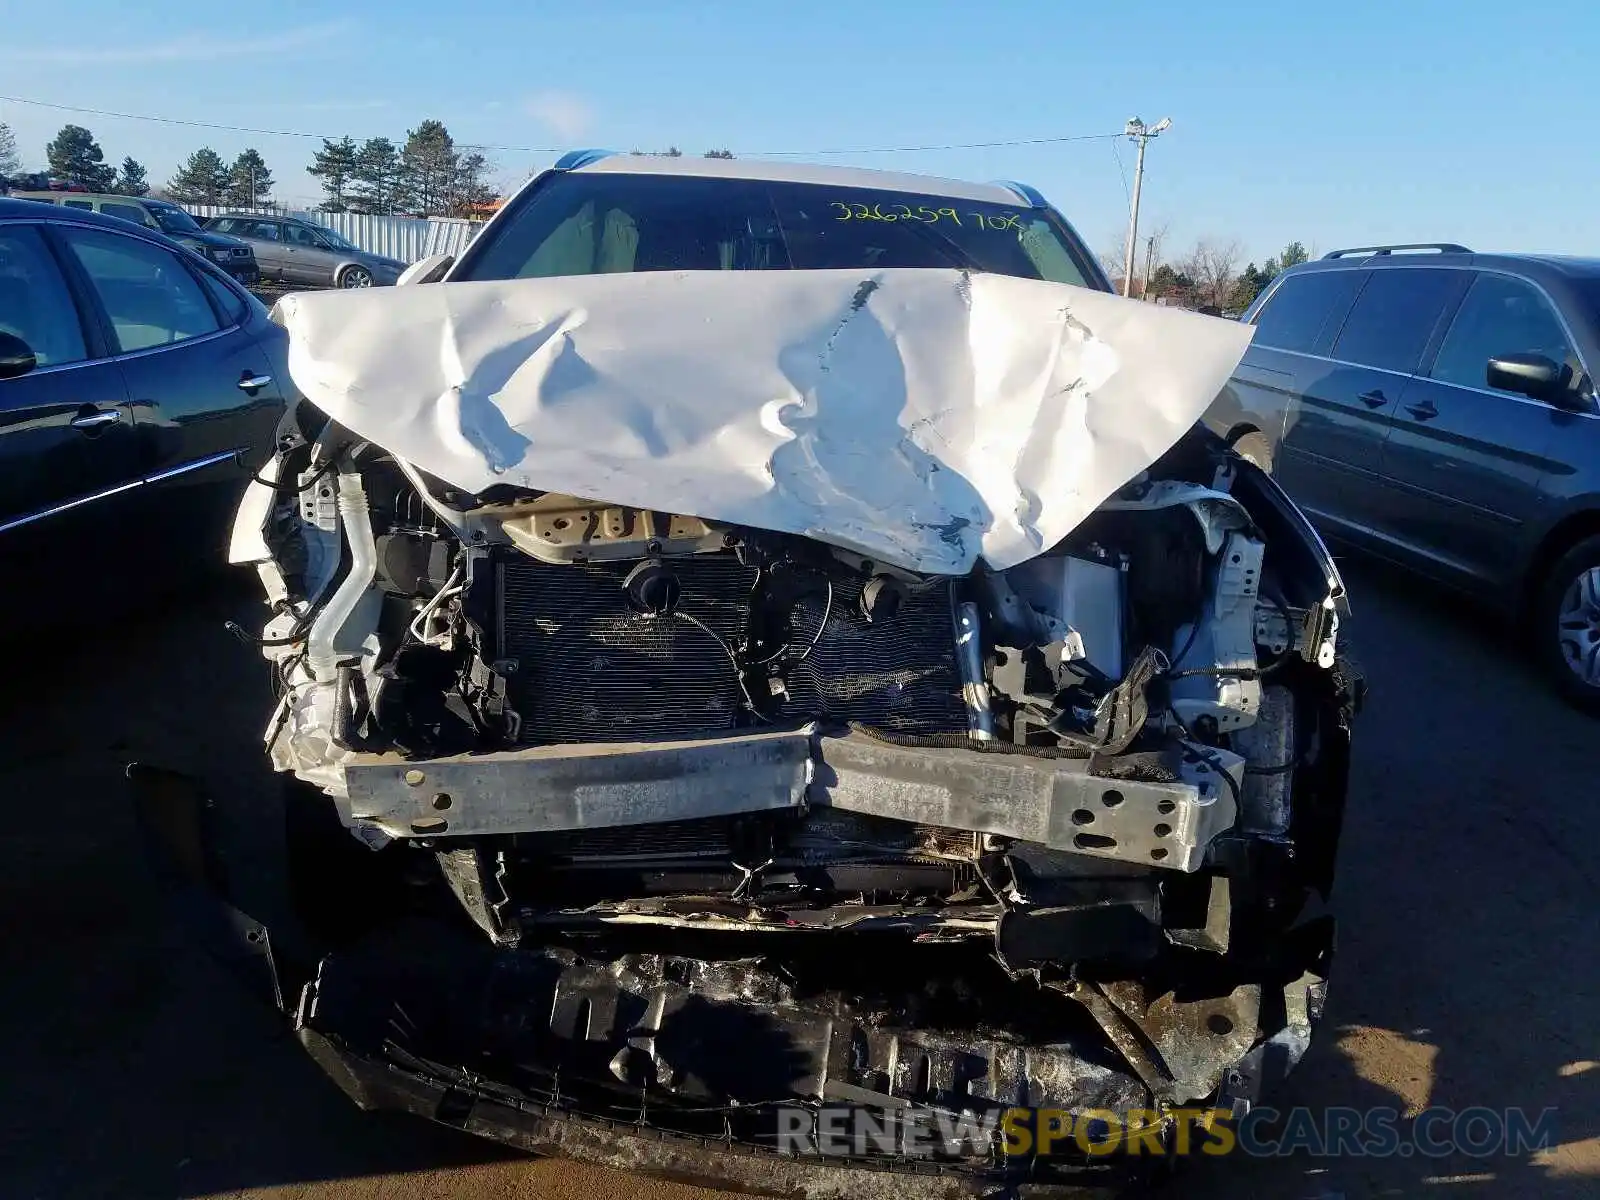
x=706, y=818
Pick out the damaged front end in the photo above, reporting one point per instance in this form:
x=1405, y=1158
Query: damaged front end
x=653, y=827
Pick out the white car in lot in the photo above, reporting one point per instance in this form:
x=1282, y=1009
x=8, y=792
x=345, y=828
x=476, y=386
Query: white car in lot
x=761, y=635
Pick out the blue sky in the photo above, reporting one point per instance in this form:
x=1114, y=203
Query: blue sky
x=1335, y=125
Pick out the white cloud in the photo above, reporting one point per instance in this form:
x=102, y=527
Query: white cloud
x=565, y=114
x=190, y=48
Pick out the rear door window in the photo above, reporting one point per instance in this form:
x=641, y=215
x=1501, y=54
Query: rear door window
x=87, y=205
x=150, y=297
x=1500, y=315
x=1296, y=312
x=1394, y=317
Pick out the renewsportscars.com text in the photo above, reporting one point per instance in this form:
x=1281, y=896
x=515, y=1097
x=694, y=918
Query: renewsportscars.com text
x=1479, y=1132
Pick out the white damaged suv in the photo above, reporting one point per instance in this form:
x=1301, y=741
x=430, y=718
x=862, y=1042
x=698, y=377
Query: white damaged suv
x=761, y=637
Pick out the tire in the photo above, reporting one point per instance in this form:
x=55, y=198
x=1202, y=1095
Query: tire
x=354, y=277
x=1566, y=625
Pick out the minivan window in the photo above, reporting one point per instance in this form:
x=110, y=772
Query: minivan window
x=128, y=212
x=1394, y=317
x=86, y=205
x=1500, y=315
x=1298, y=308
x=577, y=224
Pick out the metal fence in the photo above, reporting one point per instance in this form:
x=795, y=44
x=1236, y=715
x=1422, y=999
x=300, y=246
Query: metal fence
x=408, y=239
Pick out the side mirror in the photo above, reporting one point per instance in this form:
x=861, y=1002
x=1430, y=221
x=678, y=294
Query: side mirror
x=16, y=356
x=428, y=270
x=1531, y=375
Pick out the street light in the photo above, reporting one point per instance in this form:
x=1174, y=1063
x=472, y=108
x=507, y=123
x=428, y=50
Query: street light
x=1136, y=130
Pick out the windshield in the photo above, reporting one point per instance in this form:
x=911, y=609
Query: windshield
x=578, y=224
x=174, y=220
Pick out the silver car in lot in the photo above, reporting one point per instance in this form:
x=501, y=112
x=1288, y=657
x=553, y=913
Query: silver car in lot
x=297, y=251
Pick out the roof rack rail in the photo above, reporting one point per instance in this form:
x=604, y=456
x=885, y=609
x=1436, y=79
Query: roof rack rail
x=1441, y=247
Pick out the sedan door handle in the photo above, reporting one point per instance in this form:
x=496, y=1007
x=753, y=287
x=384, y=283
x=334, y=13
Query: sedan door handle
x=97, y=418
x=1424, y=411
x=253, y=383
x=1374, y=398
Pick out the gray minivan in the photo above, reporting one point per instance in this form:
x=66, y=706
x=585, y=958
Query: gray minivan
x=1437, y=408
x=297, y=251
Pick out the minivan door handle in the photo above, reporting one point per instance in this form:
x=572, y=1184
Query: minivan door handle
x=1424, y=411
x=1374, y=398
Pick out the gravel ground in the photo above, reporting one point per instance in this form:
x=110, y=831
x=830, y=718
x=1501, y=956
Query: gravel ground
x=1467, y=972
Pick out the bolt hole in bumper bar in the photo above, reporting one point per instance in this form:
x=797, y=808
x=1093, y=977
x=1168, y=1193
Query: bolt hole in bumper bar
x=1054, y=802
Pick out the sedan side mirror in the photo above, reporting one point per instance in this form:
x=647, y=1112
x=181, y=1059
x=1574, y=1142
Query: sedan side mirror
x=429, y=270
x=1531, y=375
x=16, y=356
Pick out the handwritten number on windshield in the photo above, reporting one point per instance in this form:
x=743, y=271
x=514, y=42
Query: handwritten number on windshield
x=856, y=211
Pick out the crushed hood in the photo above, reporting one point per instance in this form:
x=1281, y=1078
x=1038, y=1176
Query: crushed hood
x=925, y=418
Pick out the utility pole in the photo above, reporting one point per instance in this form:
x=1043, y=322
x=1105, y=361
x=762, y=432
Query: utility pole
x=1138, y=131
x=1149, y=264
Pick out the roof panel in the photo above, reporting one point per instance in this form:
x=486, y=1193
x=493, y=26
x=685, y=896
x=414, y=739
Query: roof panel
x=787, y=172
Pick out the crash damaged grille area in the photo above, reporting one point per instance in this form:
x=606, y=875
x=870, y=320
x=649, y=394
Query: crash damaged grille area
x=583, y=665
x=632, y=651
x=854, y=773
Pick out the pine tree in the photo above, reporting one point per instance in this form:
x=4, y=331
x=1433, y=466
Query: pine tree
x=75, y=157
x=335, y=166
x=203, y=179
x=376, y=178
x=428, y=166
x=10, y=160
x=131, y=179
x=249, y=181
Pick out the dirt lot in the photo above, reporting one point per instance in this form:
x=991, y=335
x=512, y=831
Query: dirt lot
x=1468, y=972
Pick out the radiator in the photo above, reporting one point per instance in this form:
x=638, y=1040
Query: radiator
x=899, y=673
x=590, y=669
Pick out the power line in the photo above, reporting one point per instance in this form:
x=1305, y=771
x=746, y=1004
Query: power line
x=1127, y=196
x=293, y=133
x=297, y=133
